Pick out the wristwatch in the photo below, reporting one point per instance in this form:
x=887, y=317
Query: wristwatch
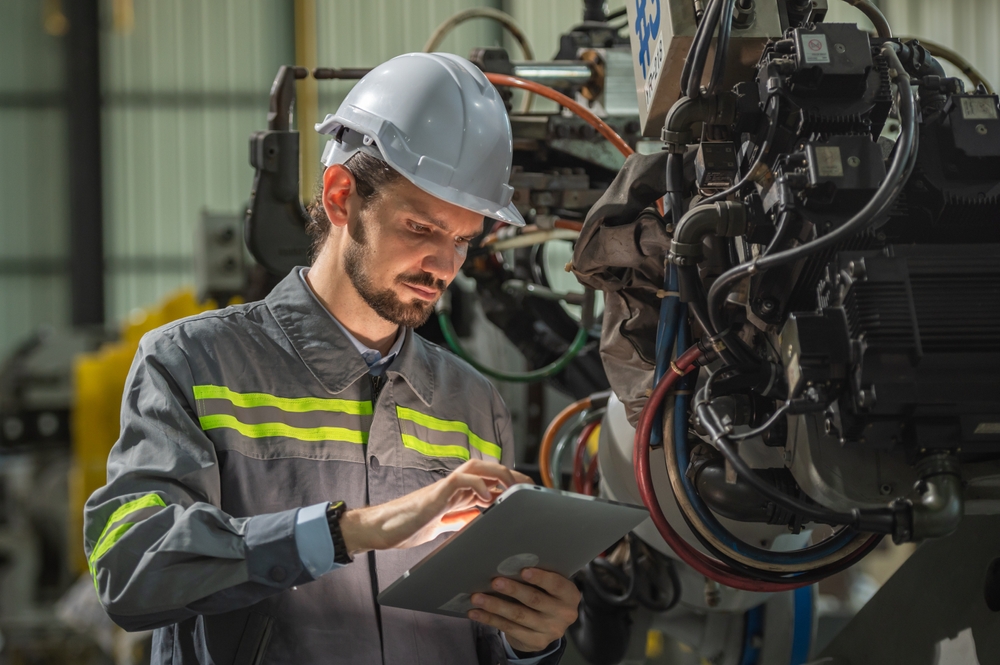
x=333, y=514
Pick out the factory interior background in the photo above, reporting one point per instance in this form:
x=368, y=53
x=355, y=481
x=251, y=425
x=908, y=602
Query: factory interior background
x=111, y=174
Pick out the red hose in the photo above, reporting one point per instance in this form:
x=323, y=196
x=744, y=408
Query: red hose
x=578, y=456
x=705, y=565
x=588, y=480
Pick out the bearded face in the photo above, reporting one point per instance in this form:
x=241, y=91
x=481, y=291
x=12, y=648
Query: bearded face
x=392, y=296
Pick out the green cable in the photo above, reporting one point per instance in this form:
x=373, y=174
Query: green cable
x=553, y=368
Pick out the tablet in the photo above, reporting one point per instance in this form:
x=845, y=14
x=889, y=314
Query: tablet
x=526, y=527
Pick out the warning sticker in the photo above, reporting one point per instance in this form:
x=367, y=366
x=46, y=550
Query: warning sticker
x=815, y=49
x=828, y=162
x=978, y=108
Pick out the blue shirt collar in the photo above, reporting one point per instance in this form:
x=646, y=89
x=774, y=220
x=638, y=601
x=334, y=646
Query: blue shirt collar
x=372, y=357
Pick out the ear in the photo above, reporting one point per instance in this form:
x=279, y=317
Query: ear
x=338, y=187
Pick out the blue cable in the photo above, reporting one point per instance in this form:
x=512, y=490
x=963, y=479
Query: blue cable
x=666, y=332
x=802, y=625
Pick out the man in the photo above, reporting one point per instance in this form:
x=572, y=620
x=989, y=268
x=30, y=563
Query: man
x=281, y=462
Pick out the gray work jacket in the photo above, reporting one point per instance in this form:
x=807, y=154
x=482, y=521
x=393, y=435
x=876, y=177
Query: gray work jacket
x=234, y=419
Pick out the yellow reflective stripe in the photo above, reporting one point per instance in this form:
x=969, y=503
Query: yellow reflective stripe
x=432, y=450
x=113, y=537
x=107, y=539
x=262, y=430
x=290, y=404
x=123, y=511
x=430, y=422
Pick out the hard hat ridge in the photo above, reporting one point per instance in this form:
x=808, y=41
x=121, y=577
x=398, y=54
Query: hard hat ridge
x=436, y=119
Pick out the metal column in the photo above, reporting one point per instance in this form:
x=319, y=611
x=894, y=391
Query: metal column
x=86, y=233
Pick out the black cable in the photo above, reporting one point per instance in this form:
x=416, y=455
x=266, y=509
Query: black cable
x=883, y=199
x=765, y=147
x=784, y=222
x=722, y=46
x=711, y=422
x=698, y=53
x=768, y=424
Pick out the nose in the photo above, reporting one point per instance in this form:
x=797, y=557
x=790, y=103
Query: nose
x=443, y=261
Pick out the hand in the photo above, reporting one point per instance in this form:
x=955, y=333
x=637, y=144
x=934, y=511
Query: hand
x=421, y=516
x=542, y=614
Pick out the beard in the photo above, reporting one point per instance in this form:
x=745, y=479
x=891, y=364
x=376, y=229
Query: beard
x=358, y=260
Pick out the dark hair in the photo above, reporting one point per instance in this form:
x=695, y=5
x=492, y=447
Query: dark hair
x=371, y=176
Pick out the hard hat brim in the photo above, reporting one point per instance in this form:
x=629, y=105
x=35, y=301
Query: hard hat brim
x=339, y=150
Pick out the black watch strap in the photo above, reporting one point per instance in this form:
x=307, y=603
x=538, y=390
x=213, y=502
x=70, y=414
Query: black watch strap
x=333, y=514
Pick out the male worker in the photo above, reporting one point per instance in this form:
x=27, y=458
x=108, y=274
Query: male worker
x=280, y=462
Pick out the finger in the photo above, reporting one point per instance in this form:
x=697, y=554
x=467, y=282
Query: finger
x=521, y=478
x=530, y=596
x=554, y=583
x=532, y=639
x=490, y=470
x=472, y=482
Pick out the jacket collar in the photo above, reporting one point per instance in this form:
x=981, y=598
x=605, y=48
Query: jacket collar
x=326, y=351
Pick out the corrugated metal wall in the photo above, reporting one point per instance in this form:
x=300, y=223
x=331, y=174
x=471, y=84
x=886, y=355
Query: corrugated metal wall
x=183, y=91
x=33, y=201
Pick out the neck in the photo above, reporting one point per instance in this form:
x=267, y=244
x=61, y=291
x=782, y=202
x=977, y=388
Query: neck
x=334, y=289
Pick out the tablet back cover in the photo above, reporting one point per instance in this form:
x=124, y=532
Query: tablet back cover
x=530, y=527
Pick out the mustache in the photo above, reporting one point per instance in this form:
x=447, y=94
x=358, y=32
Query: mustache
x=423, y=279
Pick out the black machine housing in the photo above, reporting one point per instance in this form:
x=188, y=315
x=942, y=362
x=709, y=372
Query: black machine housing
x=896, y=330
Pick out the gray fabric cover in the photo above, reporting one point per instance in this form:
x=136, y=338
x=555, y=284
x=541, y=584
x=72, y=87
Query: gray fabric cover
x=622, y=251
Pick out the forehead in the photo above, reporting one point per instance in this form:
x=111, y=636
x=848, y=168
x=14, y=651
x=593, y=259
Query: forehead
x=409, y=199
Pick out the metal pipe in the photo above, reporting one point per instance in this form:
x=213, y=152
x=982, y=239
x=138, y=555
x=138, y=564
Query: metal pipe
x=725, y=218
x=83, y=115
x=556, y=73
x=937, y=500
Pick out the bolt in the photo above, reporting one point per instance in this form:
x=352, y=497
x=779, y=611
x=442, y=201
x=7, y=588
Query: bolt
x=840, y=48
x=982, y=129
x=853, y=161
x=885, y=489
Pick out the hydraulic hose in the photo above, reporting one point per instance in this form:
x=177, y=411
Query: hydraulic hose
x=582, y=111
x=553, y=368
x=722, y=46
x=874, y=15
x=687, y=553
x=549, y=437
x=580, y=454
x=503, y=18
x=567, y=440
x=963, y=65
x=698, y=54
x=884, y=197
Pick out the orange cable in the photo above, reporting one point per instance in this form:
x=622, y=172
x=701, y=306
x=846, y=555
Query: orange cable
x=582, y=111
x=548, y=439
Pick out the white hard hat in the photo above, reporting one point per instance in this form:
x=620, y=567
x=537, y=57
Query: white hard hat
x=436, y=119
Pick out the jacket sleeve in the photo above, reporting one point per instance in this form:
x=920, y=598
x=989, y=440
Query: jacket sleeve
x=159, y=548
x=504, y=430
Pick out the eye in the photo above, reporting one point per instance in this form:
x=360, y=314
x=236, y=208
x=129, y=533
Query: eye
x=418, y=228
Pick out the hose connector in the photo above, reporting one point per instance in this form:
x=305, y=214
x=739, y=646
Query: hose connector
x=935, y=506
x=725, y=218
